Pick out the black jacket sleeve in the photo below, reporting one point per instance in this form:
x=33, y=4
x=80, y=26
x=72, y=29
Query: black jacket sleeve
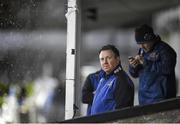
x=124, y=92
x=87, y=91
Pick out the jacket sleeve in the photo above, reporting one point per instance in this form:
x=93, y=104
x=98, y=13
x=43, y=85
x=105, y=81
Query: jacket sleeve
x=134, y=71
x=87, y=91
x=124, y=92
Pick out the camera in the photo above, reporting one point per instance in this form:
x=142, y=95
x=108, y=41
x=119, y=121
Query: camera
x=130, y=57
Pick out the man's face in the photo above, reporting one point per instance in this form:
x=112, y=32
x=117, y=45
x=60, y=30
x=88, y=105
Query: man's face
x=146, y=46
x=108, y=60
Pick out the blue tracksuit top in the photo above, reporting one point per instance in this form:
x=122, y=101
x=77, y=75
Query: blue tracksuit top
x=114, y=91
x=157, y=74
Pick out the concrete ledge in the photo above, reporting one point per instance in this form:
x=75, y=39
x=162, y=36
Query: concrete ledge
x=130, y=112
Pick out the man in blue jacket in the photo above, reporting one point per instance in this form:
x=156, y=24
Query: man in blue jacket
x=114, y=89
x=154, y=65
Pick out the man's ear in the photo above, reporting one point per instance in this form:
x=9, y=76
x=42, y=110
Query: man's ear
x=118, y=58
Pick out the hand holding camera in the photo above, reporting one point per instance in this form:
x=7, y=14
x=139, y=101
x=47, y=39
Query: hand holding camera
x=134, y=61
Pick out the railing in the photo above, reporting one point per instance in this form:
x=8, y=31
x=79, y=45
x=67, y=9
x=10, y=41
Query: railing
x=164, y=111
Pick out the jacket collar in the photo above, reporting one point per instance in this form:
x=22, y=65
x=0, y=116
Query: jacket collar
x=116, y=70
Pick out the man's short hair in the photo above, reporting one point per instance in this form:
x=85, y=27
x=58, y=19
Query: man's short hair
x=112, y=48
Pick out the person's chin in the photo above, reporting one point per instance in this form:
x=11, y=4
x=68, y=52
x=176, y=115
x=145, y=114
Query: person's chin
x=107, y=71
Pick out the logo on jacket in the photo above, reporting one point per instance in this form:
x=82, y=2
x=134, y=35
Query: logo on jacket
x=111, y=83
x=153, y=56
x=117, y=70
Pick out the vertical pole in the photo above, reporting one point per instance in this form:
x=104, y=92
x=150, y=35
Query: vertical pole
x=71, y=16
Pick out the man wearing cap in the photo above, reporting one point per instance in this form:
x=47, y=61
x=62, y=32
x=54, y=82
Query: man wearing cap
x=154, y=65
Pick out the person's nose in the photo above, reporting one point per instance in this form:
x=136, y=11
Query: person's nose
x=105, y=61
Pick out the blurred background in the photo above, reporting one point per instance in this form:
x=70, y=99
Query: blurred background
x=33, y=49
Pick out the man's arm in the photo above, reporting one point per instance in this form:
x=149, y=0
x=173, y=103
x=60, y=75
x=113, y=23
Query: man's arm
x=124, y=92
x=87, y=91
x=135, y=66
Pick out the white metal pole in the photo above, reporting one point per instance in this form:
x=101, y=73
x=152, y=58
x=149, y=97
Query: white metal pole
x=71, y=16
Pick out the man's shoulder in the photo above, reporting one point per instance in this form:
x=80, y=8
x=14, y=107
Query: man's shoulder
x=97, y=73
x=163, y=45
x=121, y=74
x=119, y=71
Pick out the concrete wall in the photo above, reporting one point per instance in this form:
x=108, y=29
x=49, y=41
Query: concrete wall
x=172, y=116
x=161, y=112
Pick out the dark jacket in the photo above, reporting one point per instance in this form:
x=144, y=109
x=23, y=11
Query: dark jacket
x=114, y=91
x=157, y=74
